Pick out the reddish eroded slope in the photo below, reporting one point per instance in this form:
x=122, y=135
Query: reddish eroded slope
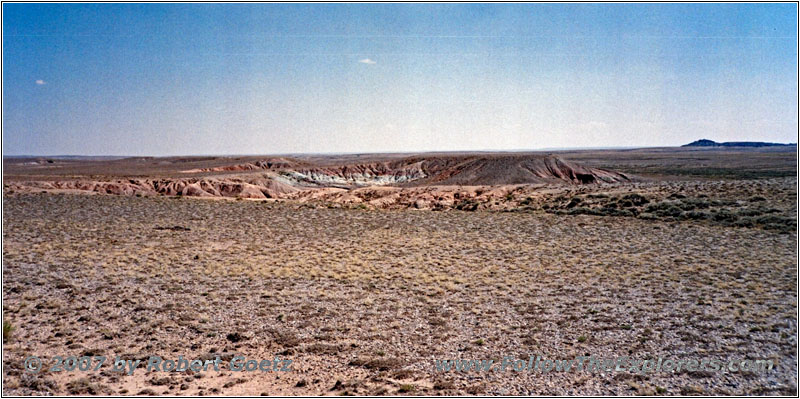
x=301, y=179
x=263, y=187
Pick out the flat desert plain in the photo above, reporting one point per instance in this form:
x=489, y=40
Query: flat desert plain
x=366, y=269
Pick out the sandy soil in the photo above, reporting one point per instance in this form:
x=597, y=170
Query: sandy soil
x=365, y=300
x=364, y=296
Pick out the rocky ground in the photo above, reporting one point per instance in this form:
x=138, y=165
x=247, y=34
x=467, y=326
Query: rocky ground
x=363, y=297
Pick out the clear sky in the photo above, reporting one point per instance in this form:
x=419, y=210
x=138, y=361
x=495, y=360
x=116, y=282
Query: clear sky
x=181, y=79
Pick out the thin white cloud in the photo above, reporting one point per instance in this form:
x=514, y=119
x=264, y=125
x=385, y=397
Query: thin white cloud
x=41, y=82
x=367, y=61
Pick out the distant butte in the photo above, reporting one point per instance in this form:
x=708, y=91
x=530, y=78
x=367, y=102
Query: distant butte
x=710, y=143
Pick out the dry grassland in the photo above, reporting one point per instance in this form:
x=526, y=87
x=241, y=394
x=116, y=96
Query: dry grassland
x=364, y=300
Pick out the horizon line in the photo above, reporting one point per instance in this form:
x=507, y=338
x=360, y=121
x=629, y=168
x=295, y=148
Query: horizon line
x=544, y=149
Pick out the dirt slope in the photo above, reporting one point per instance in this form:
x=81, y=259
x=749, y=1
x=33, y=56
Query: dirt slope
x=263, y=187
x=513, y=169
x=297, y=179
x=499, y=169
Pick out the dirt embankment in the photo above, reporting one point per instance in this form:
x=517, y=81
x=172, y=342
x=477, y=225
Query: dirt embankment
x=413, y=181
x=232, y=187
x=513, y=169
x=265, y=164
x=483, y=170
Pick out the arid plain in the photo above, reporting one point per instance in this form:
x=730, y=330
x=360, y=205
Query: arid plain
x=365, y=269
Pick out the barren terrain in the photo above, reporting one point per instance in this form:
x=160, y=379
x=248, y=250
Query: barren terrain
x=365, y=269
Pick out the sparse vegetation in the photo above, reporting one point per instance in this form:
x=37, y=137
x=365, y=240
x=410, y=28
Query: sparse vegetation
x=371, y=291
x=7, y=329
x=83, y=386
x=406, y=388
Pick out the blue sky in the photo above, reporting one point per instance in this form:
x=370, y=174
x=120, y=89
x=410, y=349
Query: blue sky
x=181, y=79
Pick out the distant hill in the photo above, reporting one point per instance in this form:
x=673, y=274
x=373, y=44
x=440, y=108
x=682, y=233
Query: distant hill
x=710, y=143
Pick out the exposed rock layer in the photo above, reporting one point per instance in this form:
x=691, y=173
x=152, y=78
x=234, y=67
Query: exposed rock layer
x=233, y=187
x=409, y=177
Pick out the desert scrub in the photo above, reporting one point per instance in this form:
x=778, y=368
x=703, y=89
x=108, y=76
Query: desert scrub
x=418, y=252
x=574, y=202
x=693, y=203
x=38, y=383
x=724, y=216
x=406, y=388
x=84, y=386
x=635, y=199
x=467, y=205
x=664, y=209
x=780, y=223
x=695, y=215
x=611, y=211
x=758, y=211
x=7, y=328
x=581, y=211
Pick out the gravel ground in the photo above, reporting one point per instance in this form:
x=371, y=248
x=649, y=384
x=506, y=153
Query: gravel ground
x=364, y=300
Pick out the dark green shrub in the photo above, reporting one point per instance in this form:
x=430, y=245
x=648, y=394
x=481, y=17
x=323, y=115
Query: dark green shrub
x=573, y=202
x=744, y=222
x=659, y=206
x=693, y=203
x=636, y=199
x=694, y=215
x=625, y=203
x=723, y=215
x=672, y=211
x=664, y=209
x=7, y=328
x=584, y=211
x=609, y=211
x=777, y=221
